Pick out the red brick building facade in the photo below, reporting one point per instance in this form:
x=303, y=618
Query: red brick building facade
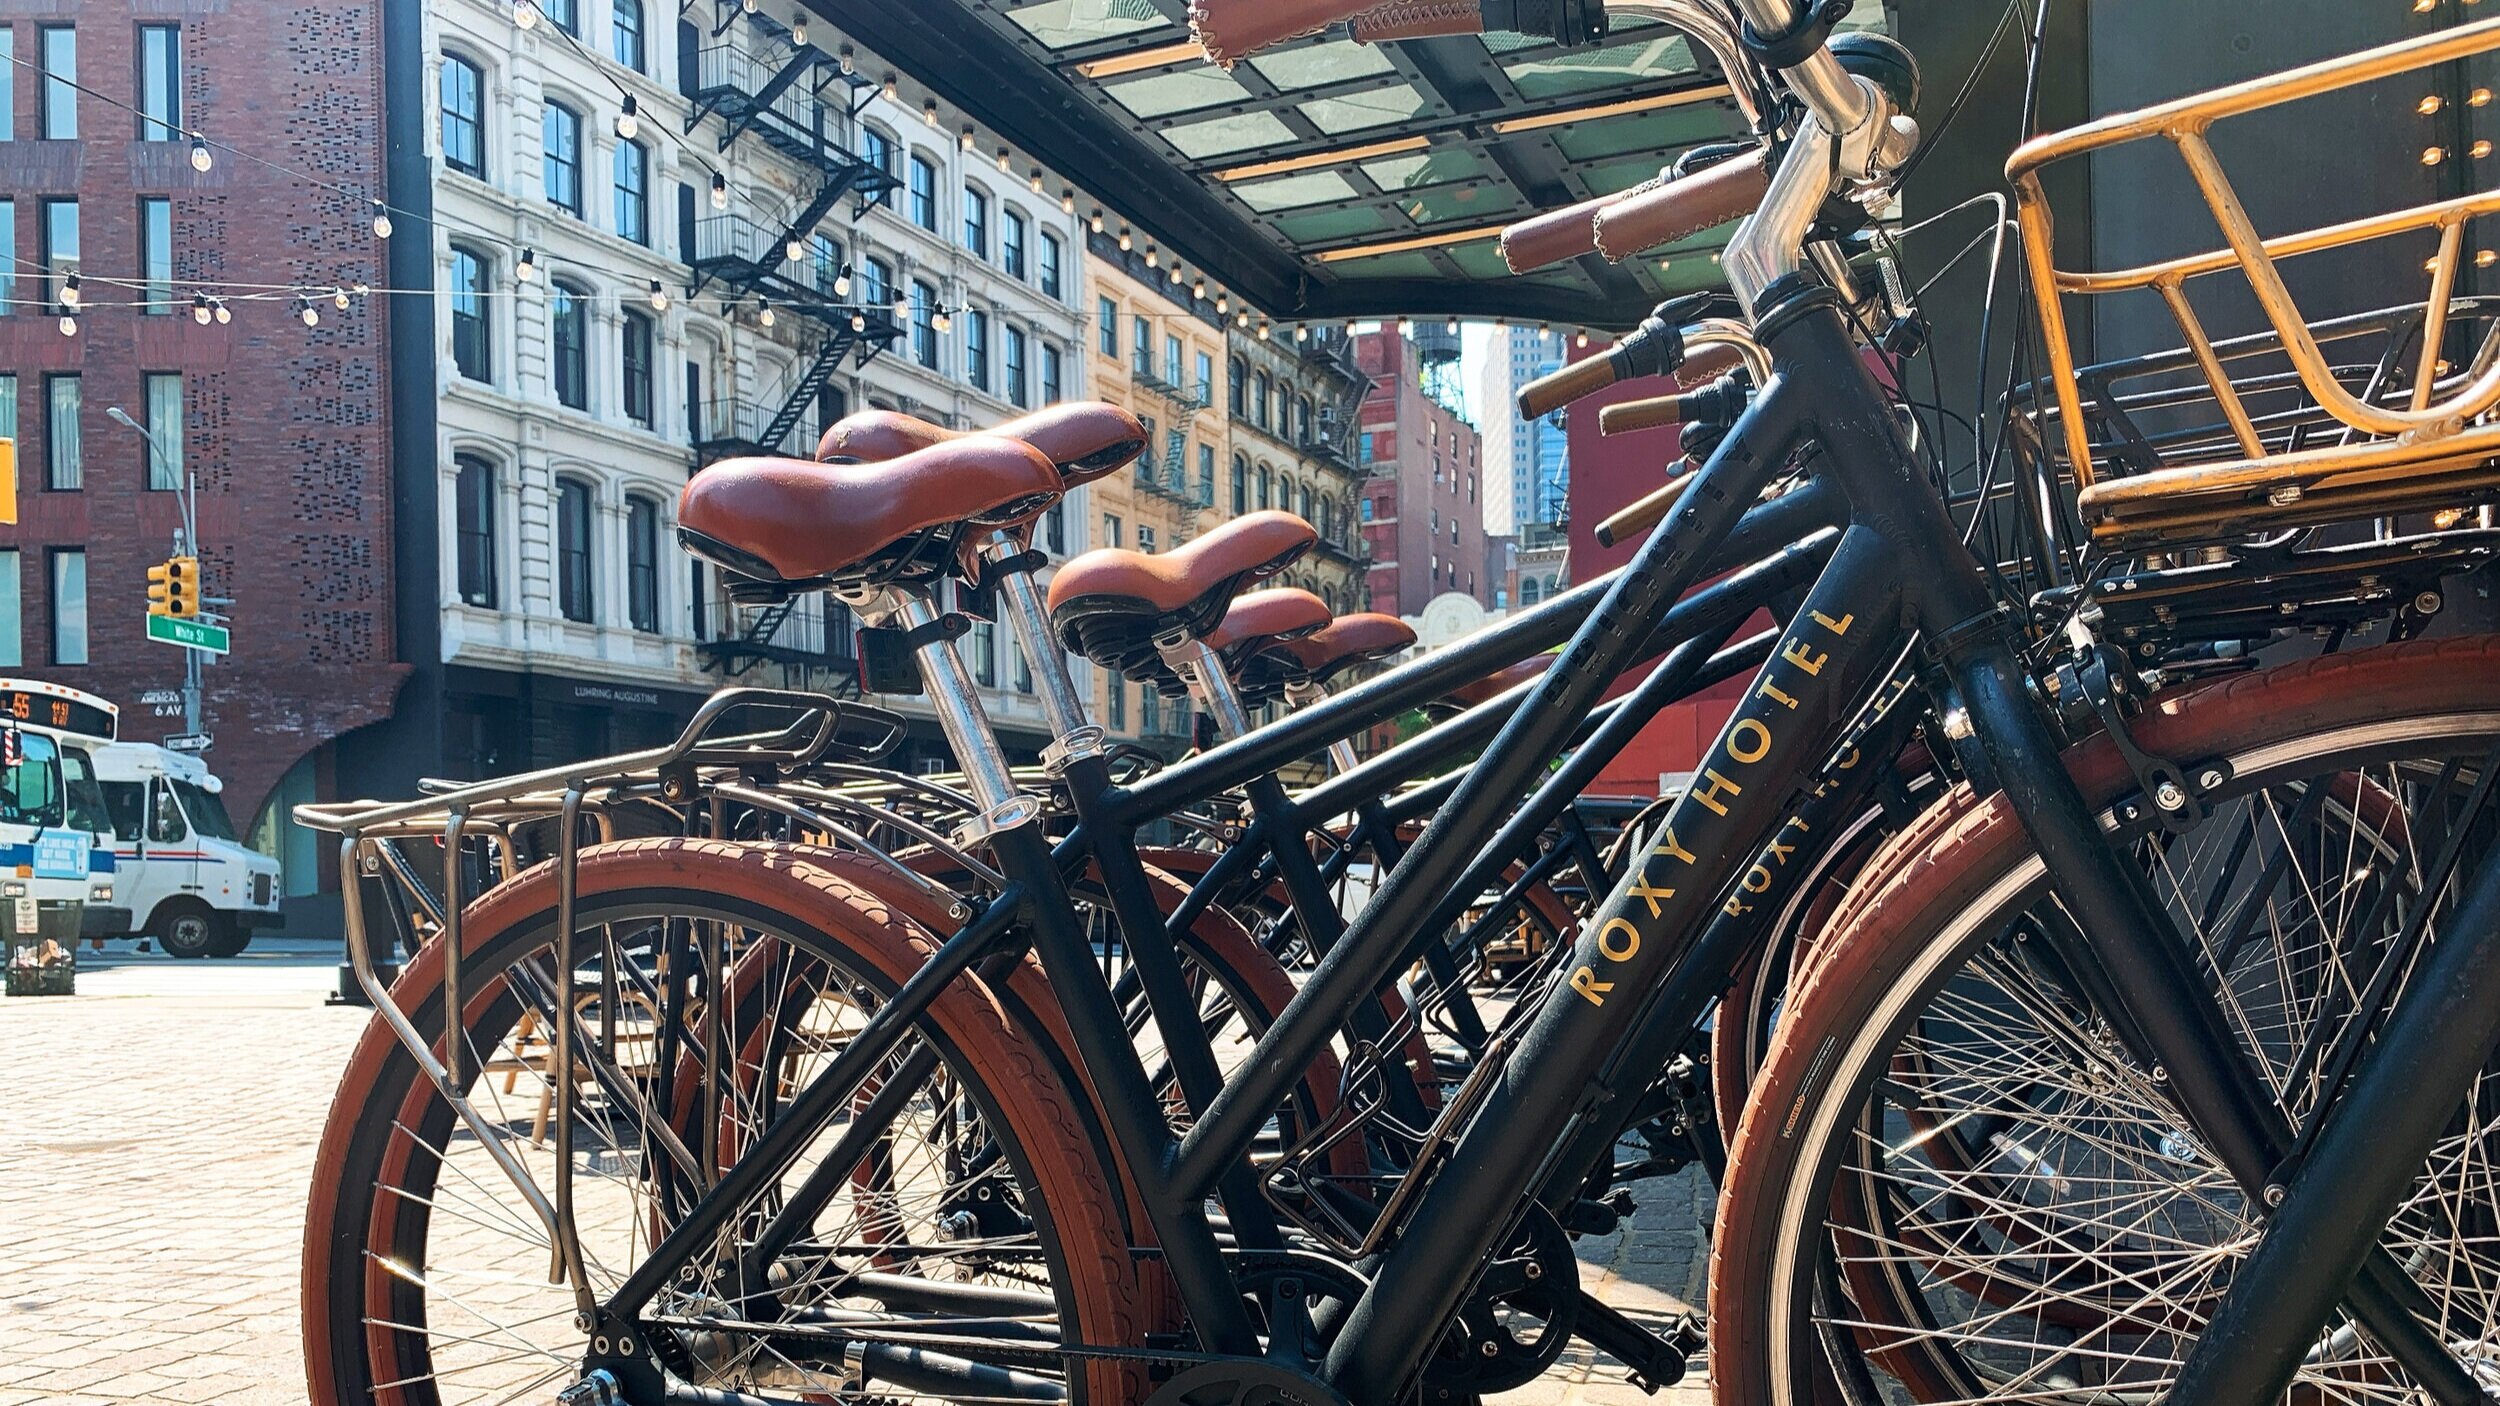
x=1423, y=499
x=284, y=427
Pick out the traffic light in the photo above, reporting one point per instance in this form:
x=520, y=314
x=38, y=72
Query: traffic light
x=183, y=578
x=174, y=588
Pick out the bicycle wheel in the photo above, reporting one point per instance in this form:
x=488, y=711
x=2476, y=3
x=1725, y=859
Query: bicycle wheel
x=425, y=1267
x=1957, y=1185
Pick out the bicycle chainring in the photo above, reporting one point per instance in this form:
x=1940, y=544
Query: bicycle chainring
x=1516, y=1322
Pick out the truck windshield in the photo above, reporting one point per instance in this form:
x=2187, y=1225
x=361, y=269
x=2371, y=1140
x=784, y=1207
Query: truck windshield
x=30, y=792
x=87, y=810
x=208, y=814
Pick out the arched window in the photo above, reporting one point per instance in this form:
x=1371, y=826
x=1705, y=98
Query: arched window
x=625, y=34
x=1263, y=488
x=876, y=147
x=568, y=334
x=637, y=358
x=472, y=343
x=473, y=492
x=1238, y=375
x=1241, y=483
x=642, y=564
x=573, y=549
x=1259, y=399
x=923, y=181
x=876, y=282
x=1528, y=594
x=976, y=223
x=1051, y=254
x=633, y=192
x=1302, y=497
x=1011, y=242
x=560, y=133
x=463, y=91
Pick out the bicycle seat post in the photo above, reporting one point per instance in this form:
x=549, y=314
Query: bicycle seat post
x=1202, y=669
x=961, y=717
x=1074, y=736
x=1304, y=694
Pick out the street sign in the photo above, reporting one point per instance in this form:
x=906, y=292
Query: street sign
x=160, y=697
x=188, y=742
x=190, y=634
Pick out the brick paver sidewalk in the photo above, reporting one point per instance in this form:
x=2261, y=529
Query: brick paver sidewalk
x=156, y=1140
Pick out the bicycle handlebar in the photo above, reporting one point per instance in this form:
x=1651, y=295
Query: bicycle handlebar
x=1685, y=206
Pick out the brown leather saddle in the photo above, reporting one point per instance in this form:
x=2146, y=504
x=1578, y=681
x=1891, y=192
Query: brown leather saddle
x=1110, y=605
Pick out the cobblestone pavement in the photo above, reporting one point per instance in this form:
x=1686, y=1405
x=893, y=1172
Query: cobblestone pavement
x=156, y=1139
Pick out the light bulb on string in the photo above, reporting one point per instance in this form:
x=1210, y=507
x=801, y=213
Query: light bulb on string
x=69, y=291
x=224, y=314
x=381, y=221
x=1176, y=275
x=1453, y=326
x=964, y=139
x=1198, y=290
x=1242, y=318
x=1095, y=220
x=842, y=282
x=200, y=158
x=1067, y=200
x=747, y=5
x=2485, y=258
x=338, y=299
x=859, y=322
x=793, y=249
x=628, y=119
x=1223, y=305
x=199, y=308
x=69, y=323
x=1151, y=255
x=1033, y=181
x=527, y=268
x=720, y=190
x=1262, y=331
x=763, y=313
x=1301, y=334
x=944, y=321
x=928, y=111
x=1406, y=329
x=311, y=314
x=659, y=296
x=1003, y=161
x=1125, y=245
x=524, y=15
x=798, y=35
x=1583, y=339
x=850, y=61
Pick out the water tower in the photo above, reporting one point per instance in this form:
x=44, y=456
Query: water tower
x=1436, y=358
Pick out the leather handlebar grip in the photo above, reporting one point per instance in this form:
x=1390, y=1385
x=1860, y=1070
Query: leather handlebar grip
x=1705, y=364
x=1561, y=234
x=1685, y=206
x=1547, y=394
x=1228, y=31
x=1417, y=19
x=1655, y=413
x=1645, y=513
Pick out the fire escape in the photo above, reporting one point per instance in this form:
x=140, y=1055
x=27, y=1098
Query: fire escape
x=1163, y=470
x=1332, y=441
x=799, y=101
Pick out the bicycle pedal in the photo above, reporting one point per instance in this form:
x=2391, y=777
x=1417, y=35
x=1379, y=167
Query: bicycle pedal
x=596, y=1388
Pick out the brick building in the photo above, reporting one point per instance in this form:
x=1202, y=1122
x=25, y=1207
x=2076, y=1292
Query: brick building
x=284, y=427
x=1423, y=498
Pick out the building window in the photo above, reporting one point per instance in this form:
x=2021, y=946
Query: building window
x=464, y=116
x=625, y=34
x=8, y=238
x=1171, y=360
x=8, y=101
x=924, y=342
x=573, y=549
x=1206, y=474
x=473, y=489
x=1206, y=377
x=1052, y=388
x=924, y=194
x=1024, y=670
x=1259, y=392
x=1107, y=326
x=1238, y=391
x=60, y=244
x=636, y=359
x=976, y=223
x=65, y=461
x=160, y=82
x=59, y=115
x=1110, y=530
x=8, y=406
x=984, y=650
x=642, y=564
x=824, y=264
x=1141, y=354
x=1119, y=703
x=566, y=13
x=1241, y=485
x=1266, y=489
x=877, y=149
x=156, y=253
x=12, y=610
x=633, y=191
x=561, y=131
x=568, y=327
x=977, y=349
x=163, y=390
x=1011, y=366
x=1149, y=709
x=1051, y=253
x=69, y=605
x=1011, y=242
x=1055, y=527
x=1145, y=539
x=876, y=283
x=471, y=347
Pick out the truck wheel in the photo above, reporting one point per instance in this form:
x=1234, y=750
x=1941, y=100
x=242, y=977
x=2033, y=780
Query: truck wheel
x=188, y=931
x=230, y=939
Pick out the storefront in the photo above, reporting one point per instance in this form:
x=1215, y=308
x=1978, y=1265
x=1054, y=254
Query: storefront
x=497, y=722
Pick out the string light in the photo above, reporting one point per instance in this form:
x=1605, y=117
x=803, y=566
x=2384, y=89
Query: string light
x=964, y=140
x=1242, y=318
x=1453, y=326
x=1067, y=200
x=859, y=322
x=1096, y=220
x=1262, y=331
x=793, y=250
x=747, y=5
x=1198, y=290
x=850, y=60
x=199, y=308
x=1406, y=328
x=224, y=314
x=659, y=296
x=842, y=282
x=943, y=321
x=524, y=15
x=1301, y=333
x=527, y=268
x=893, y=85
x=381, y=220
x=1583, y=339
x=628, y=123
x=69, y=291
x=1003, y=162
x=720, y=190
x=310, y=314
x=798, y=35
x=1151, y=255
x=200, y=159
x=928, y=111
x=339, y=300
x=1124, y=239
x=1222, y=305
x=69, y=324
x=763, y=313
x=1176, y=275
x=1034, y=181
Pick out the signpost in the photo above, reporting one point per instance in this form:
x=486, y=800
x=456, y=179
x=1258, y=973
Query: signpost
x=190, y=634
x=161, y=697
x=187, y=742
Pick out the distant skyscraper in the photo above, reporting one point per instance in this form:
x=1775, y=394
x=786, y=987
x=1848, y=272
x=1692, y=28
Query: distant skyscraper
x=1537, y=463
